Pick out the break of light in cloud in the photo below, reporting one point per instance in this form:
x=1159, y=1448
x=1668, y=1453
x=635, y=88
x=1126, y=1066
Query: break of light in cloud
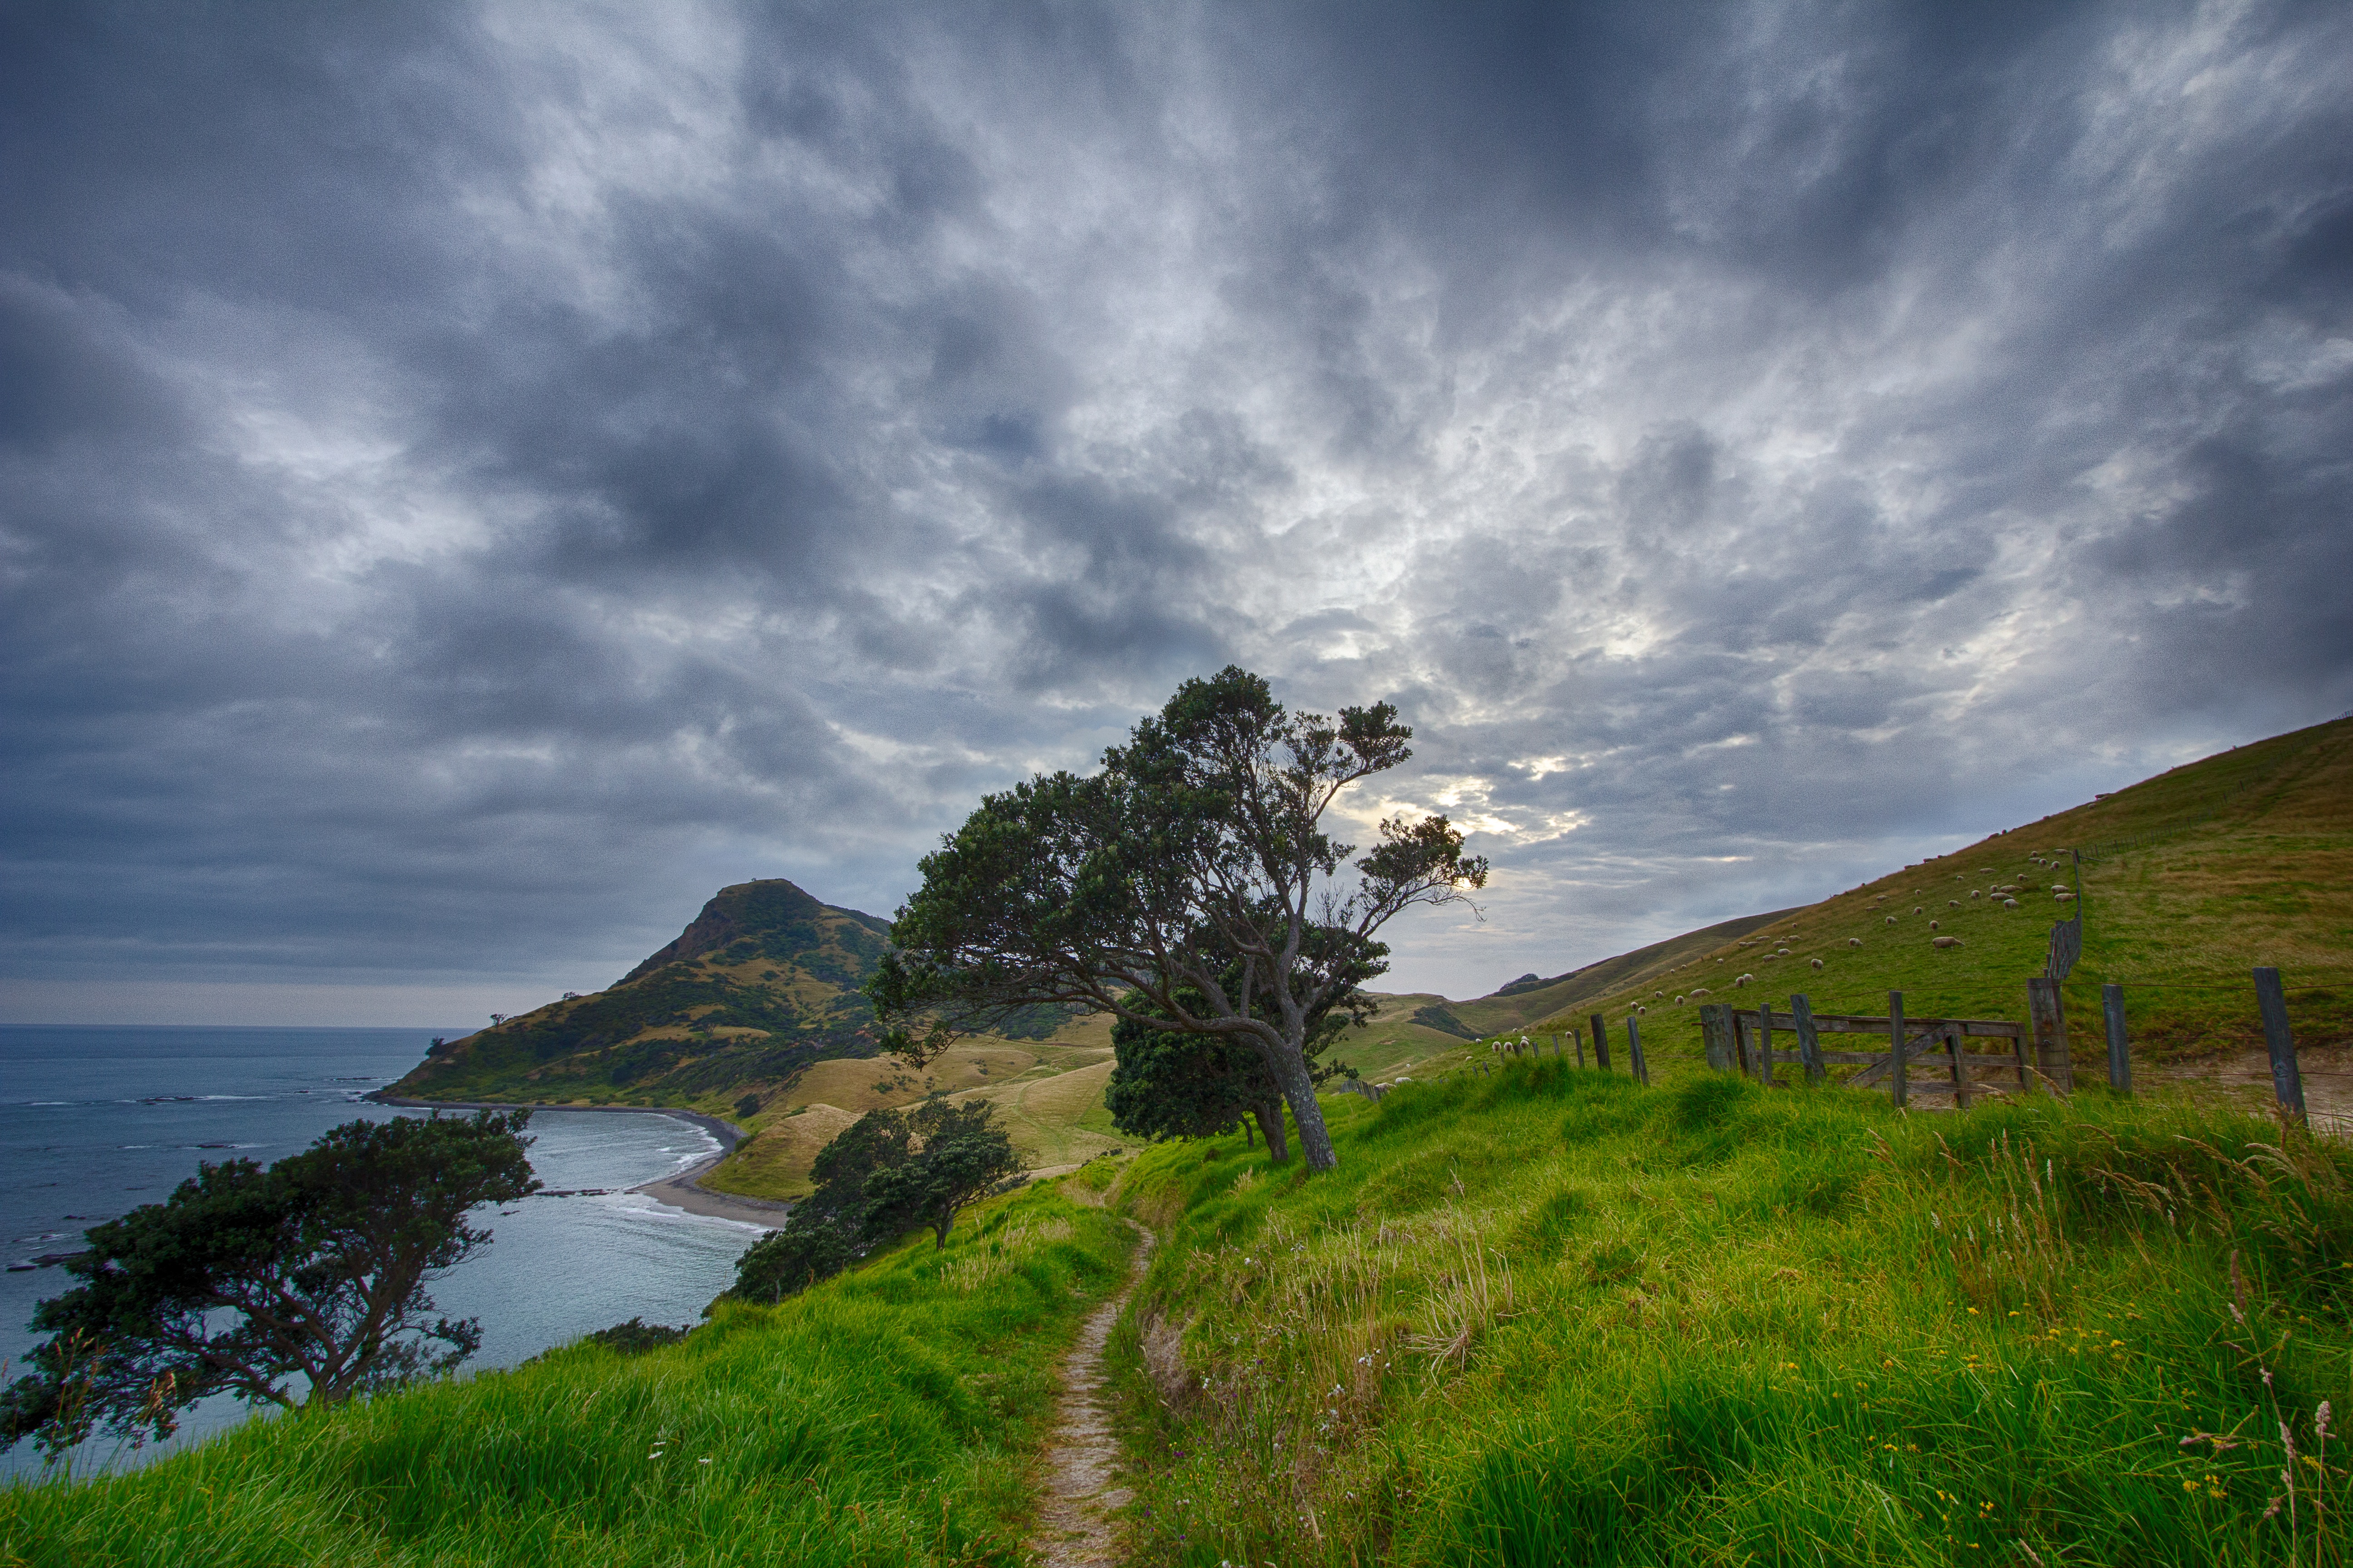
x=475, y=479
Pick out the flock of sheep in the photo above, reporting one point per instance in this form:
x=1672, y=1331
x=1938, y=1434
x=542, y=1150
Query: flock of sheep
x=2006, y=895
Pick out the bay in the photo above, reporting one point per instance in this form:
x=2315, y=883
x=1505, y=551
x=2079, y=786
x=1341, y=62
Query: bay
x=95, y=1121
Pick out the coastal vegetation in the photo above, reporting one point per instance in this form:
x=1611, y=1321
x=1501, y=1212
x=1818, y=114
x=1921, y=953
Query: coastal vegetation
x=888, y=1416
x=1189, y=886
x=300, y=1284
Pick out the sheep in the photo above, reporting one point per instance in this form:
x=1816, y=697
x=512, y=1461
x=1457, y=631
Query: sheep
x=1976, y=892
x=1953, y=903
x=2064, y=898
x=1743, y=979
x=1918, y=911
x=1818, y=963
x=1700, y=991
x=1854, y=942
x=1932, y=925
x=1891, y=919
x=2010, y=903
x=2058, y=887
x=1946, y=941
x=1679, y=1000
x=1782, y=953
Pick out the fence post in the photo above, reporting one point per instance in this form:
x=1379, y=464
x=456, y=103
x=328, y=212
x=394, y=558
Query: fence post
x=1717, y=1035
x=1765, y=1042
x=1634, y=1049
x=2049, y=1014
x=1810, y=1044
x=1901, y=1089
x=2287, y=1079
x=2112, y=1003
x=1600, y=1042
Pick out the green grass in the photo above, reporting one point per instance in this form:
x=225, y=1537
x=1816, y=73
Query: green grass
x=2240, y=859
x=1550, y=1316
x=888, y=1416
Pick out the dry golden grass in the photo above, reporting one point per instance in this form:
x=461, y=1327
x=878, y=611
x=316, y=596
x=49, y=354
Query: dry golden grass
x=775, y=1161
x=869, y=1083
x=1056, y=1120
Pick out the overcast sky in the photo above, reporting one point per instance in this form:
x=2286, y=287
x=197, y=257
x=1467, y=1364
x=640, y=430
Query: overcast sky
x=475, y=479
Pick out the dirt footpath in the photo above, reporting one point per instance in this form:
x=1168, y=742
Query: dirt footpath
x=1082, y=1456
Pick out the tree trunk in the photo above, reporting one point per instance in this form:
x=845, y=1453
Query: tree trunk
x=1290, y=1069
x=1249, y=1141
x=1270, y=1122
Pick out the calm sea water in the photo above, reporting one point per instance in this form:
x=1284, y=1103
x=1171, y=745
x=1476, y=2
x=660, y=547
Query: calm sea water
x=95, y=1121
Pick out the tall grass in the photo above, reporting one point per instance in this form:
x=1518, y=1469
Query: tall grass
x=1551, y=1316
x=888, y=1417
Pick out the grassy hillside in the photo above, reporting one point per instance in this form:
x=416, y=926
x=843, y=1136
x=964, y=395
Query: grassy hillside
x=2192, y=878
x=765, y=980
x=885, y=1418
x=1549, y=1316
x=1049, y=1092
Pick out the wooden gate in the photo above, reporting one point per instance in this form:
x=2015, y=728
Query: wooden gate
x=1743, y=1039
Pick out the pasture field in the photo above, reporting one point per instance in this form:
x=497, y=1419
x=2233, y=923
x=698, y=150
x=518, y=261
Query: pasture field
x=1550, y=1316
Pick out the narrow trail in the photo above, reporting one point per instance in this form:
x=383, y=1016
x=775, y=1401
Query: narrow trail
x=1082, y=1456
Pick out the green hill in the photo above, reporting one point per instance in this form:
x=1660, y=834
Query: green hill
x=2189, y=880
x=763, y=982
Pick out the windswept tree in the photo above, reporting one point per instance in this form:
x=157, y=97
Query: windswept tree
x=299, y=1284
x=1164, y=1084
x=885, y=1173
x=1189, y=886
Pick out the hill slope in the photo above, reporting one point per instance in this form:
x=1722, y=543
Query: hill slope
x=2191, y=880
x=762, y=983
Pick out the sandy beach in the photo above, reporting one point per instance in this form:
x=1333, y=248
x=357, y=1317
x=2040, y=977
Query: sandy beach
x=682, y=1191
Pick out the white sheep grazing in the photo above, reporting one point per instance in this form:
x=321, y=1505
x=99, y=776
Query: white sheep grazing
x=2058, y=887
x=2010, y=903
x=1932, y=925
x=1953, y=903
x=1854, y=942
x=1699, y=991
x=1818, y=963
x=1743, y=979
x=1976, y=892
x=1891, y=919
x=1679, y=1000
x=2064, y=898
x=1918, y=911
x=1783, y=952
x=1947, y=942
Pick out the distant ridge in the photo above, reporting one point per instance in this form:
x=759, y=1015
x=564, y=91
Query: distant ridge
x=763, y=981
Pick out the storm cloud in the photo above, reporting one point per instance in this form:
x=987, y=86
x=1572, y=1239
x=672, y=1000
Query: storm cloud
x=473, y=480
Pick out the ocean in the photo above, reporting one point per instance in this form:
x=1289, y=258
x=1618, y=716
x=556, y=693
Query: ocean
x=96, y=1121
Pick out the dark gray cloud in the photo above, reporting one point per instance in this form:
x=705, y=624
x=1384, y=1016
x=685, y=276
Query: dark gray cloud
x=474, y=477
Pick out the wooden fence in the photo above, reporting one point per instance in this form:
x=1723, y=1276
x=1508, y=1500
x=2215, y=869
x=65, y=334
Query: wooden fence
x=2036, y=1052
x=1741, y=1038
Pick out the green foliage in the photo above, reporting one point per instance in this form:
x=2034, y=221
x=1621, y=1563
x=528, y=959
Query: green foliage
x=885, y=1418
x=1198, y=849
x=1549, y=1316
x=963, y=1154
x=301, y=1283
x=885, y=1173
x=636, y=1336
x=1167, y=1084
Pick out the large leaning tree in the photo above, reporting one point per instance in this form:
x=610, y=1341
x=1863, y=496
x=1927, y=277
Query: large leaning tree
x=1189, y=886
x=302, y=1283
x=1169, y=1085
